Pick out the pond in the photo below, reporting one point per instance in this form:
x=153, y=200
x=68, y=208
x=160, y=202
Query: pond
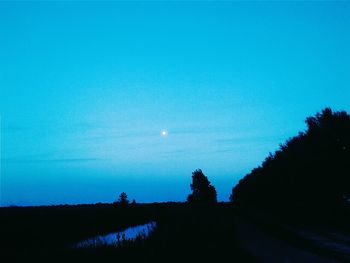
x=116, y=238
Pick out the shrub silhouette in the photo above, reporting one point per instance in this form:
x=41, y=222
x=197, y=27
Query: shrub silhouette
x=310, y=169
x=202, y=190
x=123, y=199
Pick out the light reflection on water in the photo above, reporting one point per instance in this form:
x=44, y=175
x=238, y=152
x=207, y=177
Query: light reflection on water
x=115, y=238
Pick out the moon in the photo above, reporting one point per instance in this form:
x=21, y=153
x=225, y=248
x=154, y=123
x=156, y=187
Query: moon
x=164, y=133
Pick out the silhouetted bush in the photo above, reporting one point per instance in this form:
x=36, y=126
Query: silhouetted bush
x=309, y=170
x=123, y=199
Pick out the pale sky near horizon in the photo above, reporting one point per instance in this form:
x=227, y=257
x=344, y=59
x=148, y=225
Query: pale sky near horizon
x=87, y=87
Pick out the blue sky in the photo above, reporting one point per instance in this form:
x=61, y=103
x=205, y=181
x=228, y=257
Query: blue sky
x=86, y=88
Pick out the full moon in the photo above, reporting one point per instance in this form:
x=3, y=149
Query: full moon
x=163, y=133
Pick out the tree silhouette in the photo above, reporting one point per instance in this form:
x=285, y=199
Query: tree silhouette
x=123, y=199
x=202, y=190
x=309, y=170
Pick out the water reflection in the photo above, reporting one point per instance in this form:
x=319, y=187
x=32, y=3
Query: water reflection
x=116, y=238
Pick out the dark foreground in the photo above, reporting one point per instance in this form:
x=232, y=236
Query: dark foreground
x=184, y=233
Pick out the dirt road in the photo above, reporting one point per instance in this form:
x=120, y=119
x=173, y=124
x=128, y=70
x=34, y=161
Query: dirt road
x=269, y=249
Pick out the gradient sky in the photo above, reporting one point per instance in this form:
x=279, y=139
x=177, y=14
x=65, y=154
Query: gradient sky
x=86, y=88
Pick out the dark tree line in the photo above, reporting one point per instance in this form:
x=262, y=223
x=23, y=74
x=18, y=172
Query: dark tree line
x=310, y=169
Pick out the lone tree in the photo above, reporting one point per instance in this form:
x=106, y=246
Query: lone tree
x=123, y=199
x=202, y=190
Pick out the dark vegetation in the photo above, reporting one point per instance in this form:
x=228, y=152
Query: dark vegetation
x=39, y=232
x=305, y=182
x=310, y=173
x=304, y=186
x=202, y=190
x=123, y=199
x=200, y=230
x=184, y=232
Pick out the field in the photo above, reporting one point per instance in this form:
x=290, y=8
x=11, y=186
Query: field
x=183, y=232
